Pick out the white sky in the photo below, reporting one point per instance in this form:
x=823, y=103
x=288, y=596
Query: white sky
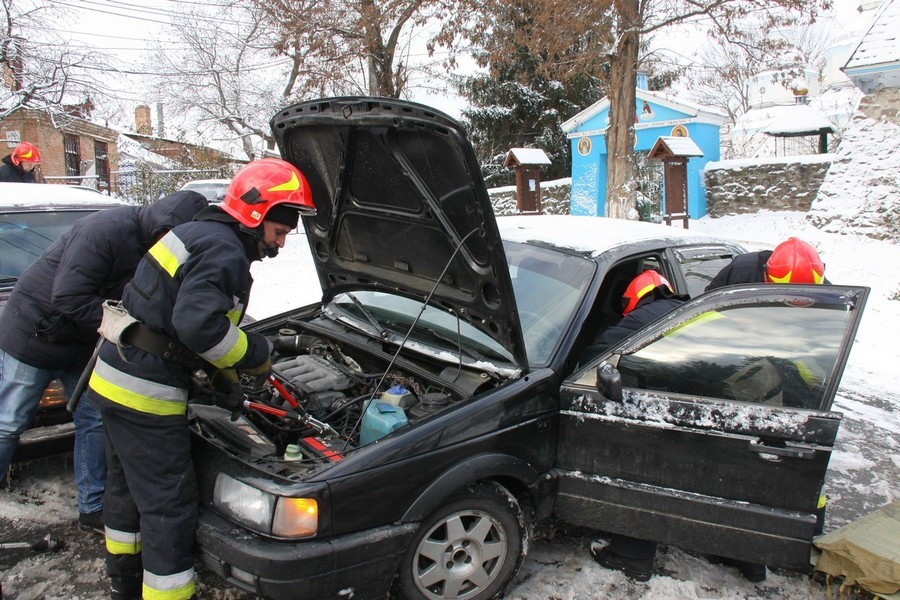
x=126, y=28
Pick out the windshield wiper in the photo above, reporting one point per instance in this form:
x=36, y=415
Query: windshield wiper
x=365, y=312
x=457, y=344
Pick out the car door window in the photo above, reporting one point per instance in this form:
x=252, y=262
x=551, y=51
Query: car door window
x=700, y=264
x=780, y=354
x=25, y=236
x=675, y=434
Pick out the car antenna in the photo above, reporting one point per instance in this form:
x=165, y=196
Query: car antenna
x=409, y=332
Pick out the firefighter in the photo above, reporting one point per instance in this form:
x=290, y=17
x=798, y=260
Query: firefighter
x=48, y=328
x=186, y=299
x=18, y=165
x=792, y=261
x=652, y=294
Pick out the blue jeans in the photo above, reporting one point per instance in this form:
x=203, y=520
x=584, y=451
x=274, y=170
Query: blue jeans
x=21, y=388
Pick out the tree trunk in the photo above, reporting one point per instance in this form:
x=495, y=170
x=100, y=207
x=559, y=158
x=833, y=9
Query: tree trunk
x=621, y=200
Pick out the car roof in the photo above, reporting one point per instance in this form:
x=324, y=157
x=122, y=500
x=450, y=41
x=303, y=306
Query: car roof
x=47, y=196
x=206, y=182
x=593, y=236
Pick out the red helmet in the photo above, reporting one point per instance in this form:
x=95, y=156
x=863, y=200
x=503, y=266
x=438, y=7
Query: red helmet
x=25, y=152
x=642, y=285
x=795, y=261
x=262, y=184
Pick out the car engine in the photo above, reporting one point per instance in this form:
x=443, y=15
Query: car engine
x=327, y=398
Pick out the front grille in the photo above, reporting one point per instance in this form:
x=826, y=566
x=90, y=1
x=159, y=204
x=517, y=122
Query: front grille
x=214, y=564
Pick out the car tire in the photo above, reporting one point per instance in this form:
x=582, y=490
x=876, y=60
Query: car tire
x=468, y=549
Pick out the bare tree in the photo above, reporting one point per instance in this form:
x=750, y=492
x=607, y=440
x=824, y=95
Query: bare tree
x=224, y=72
x=720, y=79
x=365, y=45
x=40, y=69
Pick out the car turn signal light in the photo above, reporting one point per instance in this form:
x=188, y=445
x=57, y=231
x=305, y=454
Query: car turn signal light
x=296, y=517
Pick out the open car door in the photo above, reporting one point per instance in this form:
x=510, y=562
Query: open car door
x=711, y=429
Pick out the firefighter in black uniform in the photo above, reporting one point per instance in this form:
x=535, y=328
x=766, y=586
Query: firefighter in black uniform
x=648, y=297
x=188, y=295
x=792, y=261
x=18, y=165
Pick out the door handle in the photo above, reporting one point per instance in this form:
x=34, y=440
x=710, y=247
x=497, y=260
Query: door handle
x=760, y=446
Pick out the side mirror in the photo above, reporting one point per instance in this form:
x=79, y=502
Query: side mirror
x=609, y=382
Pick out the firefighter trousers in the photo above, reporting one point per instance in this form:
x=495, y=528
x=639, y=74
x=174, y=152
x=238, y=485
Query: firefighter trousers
x=151, y=502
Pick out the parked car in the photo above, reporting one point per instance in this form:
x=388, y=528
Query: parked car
x=433, y=407
x=33, y=216
x=212, y=189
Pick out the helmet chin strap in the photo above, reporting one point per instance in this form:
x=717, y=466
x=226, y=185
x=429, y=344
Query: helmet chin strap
x=269, y=250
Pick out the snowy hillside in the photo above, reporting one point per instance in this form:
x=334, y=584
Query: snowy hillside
x=861, y=191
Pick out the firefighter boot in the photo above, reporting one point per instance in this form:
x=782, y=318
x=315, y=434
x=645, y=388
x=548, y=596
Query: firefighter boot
x=126, y=587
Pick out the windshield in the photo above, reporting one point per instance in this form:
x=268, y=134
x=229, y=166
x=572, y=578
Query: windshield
x=439, y=329
x=24, y=236
x=549, y=286
x=212, y=191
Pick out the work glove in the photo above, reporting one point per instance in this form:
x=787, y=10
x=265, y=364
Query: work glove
x=228, y=392
x=259, y=375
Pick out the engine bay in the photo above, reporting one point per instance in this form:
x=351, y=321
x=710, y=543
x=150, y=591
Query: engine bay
x=331, y=392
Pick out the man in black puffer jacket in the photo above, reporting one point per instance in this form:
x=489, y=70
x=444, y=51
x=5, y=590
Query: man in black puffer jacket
x=48, y=329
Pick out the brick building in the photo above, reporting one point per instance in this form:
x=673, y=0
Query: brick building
x=183, y=153
x=73, y=150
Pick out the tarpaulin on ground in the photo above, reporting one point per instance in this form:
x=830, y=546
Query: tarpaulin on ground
x=865, y=552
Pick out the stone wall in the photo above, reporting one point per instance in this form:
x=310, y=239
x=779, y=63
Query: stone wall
x=861, y=194
x=555, y=198
x=882, y=105
x=747, y=186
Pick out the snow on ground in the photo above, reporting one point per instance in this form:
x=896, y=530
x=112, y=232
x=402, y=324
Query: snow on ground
x=864, y=472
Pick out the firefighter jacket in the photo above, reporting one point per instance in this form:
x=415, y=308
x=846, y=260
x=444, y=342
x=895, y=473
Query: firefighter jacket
x=192, y=286
x=743, y=268
x=645, y=313
x=51, y=319
x=11, y=173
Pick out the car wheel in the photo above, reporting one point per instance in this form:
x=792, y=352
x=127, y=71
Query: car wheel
x=469, y=549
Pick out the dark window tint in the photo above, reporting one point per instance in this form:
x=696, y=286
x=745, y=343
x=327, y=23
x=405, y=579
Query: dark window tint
x=72, y=149
x=777, y=354
x=700, y=265
x=25, y=236
x=101, y=160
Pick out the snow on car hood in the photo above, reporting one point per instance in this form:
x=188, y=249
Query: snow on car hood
x=401, y=208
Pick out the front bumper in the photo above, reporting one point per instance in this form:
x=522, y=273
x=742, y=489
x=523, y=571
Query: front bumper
x=359, y=565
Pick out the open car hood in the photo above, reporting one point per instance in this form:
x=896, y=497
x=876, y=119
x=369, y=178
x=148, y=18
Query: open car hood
x=401, y=205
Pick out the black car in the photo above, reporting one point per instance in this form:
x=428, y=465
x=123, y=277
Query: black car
x=431, y=409
x=33, y=216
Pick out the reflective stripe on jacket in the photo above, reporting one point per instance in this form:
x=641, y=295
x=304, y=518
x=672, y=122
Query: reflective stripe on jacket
x=192, y=285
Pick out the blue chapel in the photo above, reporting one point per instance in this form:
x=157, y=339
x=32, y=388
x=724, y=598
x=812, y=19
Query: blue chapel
x=658, y=115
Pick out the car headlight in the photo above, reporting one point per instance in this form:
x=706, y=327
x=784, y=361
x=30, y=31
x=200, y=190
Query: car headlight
x=244, y=503
x=265, y=512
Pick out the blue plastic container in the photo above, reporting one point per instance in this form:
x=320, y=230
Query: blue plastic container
x=380, y=419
